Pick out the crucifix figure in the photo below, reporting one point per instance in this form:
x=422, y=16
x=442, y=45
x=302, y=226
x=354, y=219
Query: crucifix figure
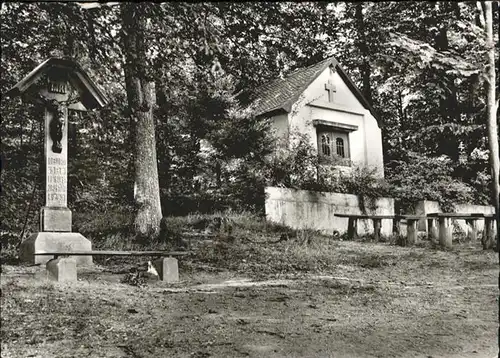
x=330, y=87
x=56, y=126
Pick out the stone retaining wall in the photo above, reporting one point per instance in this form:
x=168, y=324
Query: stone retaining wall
x=425, y=207
x=302, y=209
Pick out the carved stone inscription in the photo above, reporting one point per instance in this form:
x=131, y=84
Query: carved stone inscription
x=57, y=181
x=57, y=87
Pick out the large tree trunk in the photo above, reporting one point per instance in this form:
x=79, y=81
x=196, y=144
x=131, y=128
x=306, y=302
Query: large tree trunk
x=364, y=68
x=492, y=110
x=141, y=99
x=449, y=106
x=163, y=136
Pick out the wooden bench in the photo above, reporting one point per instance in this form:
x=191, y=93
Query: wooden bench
x=411, y=227
x=445, y=231
x=442, y=232
x=352, y=225
x=411, y=232
x=63, y=266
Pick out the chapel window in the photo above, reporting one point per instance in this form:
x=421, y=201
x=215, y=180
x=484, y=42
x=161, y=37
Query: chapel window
x=325, y=145
x=333, y=146
x=340, y=147
x=333, y=142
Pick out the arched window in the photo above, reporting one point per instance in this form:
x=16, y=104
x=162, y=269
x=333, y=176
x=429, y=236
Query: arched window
x=325, y=145
x=333, y=145
x=340, y=147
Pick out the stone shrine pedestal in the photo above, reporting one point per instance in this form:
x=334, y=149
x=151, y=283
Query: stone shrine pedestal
x=54, y=241
x=55, y=217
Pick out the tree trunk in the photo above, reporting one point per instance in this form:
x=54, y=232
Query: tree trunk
x=492, y=110
x=141, y=99
x=364, y=67
x=449, y=107
x=163, y=138
x=146, y=185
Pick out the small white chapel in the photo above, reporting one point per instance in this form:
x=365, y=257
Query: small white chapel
x=323, y=102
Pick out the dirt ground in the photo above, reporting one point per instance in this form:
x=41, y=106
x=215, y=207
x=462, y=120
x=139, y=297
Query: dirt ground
x=419, y=303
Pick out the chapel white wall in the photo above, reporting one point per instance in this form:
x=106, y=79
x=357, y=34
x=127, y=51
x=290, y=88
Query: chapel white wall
x=365, y=143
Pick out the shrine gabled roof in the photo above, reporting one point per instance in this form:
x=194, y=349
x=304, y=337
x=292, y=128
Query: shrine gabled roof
x=92, y=97
x=282, y=93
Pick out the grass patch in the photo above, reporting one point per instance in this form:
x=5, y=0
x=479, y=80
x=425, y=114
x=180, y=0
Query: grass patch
x=9, y=248
x=262, y=255
x=234, y=241
x=242, y=223
x=114, y=231
x=241, y=242
x=104, y=223
x=479, y=265
x=306, y=252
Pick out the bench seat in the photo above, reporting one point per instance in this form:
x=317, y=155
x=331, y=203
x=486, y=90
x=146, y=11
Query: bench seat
x=113, y=253
x=64, y=268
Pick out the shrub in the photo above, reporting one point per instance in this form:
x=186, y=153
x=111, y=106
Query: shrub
x=299, y=167
x=418, y=177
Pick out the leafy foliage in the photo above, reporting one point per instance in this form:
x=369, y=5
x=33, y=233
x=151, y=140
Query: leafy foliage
x=298, y=166
x=421, y=66
x=421, y=178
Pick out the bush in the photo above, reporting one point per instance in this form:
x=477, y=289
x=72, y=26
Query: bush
x=9, y=248
x=295, y=166
x=418, y=177
x=299, y=167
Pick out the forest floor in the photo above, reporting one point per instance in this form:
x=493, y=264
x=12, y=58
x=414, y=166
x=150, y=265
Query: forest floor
x=369, y=300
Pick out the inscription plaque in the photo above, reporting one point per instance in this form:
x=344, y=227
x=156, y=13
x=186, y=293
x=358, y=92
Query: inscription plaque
x=57, y=181
x=57, y=86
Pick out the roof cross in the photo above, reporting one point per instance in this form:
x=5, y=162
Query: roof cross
x=330, y=87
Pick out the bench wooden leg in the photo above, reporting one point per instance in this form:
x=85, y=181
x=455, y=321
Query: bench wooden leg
x=62, y=269
x=489, y=232
x=411, y=231
x=432, y=229
x=377, y=228
x=396, y=227
x=445, y=233
x=471, y=229
x=352, y=228
x=167, y=268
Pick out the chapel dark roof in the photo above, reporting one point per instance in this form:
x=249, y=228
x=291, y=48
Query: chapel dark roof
x=282, y=93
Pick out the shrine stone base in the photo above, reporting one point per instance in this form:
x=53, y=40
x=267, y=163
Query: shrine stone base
x=54, y=241
x=55, y=219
